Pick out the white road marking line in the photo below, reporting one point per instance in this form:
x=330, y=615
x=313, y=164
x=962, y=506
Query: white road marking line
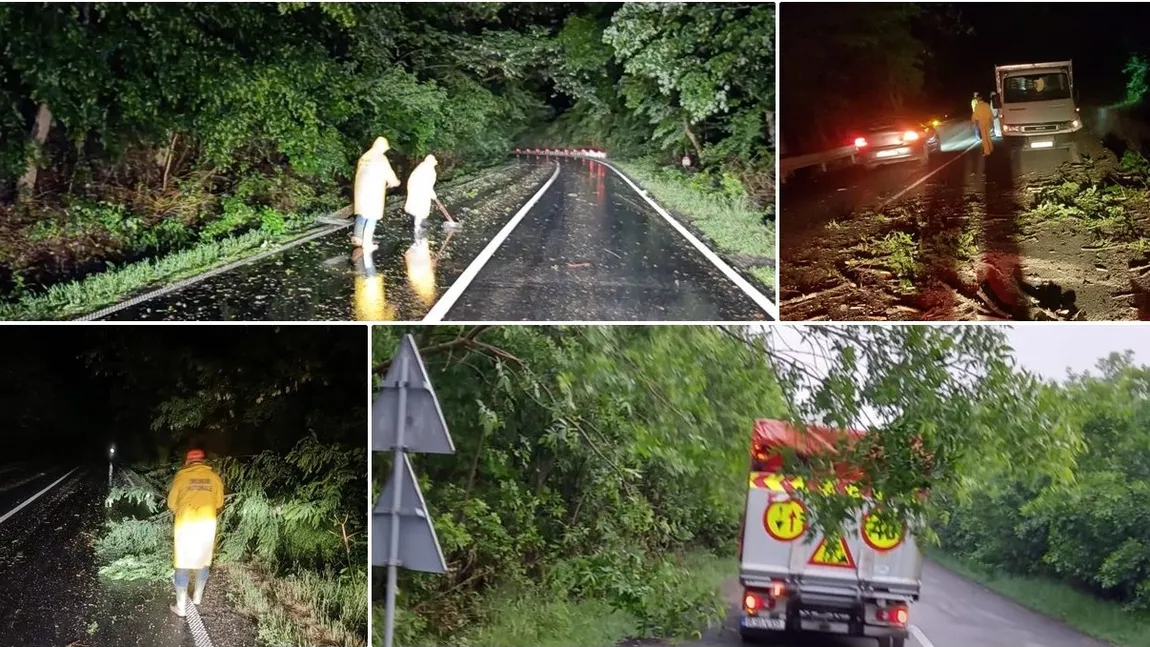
x=759, y=298
x=444, y=304
x=928, y=175
x=36, y=496
x=919, y=636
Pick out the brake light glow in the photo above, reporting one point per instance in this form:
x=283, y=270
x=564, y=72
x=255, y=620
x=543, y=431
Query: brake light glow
x=750, y=603
x=910, y=136
x=860, y=142
x=754, y=602
x=894, y=615
x=778, y=589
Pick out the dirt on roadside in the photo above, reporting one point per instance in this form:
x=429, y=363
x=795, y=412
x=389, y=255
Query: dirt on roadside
x=1070, y=245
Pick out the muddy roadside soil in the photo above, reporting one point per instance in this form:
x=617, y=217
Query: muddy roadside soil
x=982, y=240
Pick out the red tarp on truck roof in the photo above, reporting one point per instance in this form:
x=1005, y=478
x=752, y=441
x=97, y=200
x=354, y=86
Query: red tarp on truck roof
x=816, y=440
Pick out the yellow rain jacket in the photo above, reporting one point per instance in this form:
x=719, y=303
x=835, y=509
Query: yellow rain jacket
x=373, y=176
x=196, y=496
x=421, y=189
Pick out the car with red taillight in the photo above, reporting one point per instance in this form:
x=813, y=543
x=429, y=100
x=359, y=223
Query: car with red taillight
x=895, y=139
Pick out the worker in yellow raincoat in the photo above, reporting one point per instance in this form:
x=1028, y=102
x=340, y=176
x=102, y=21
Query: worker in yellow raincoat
x=373, y=177
x=983, y=118
x=196, y=497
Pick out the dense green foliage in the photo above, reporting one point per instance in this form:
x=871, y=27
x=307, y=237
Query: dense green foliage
x=179, y=122
x=589, y=457
x=1093, y=532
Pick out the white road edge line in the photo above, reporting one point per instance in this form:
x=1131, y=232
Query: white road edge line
x=928, y=176
x=36, y=496
x=759, y=298
x=919, y=636
x=444, y=304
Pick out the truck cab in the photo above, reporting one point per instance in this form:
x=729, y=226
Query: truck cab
x=1038, y=105
x=795, y=579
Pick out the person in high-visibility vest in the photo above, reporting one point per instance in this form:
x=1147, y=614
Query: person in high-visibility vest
x=983, y=120
x=973, y=105
x=197, y=495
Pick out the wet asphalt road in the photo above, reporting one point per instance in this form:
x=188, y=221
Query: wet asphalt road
x=953, y=612
x=589, y=249
x=51, y=594
x=592, y=249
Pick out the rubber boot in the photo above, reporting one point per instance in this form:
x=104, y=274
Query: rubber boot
x=420, y=231
x=180, y=608
x=198, y=594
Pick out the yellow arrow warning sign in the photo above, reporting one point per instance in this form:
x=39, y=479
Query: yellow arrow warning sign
x=785, y=520
x=833, y=554
x=879, y=537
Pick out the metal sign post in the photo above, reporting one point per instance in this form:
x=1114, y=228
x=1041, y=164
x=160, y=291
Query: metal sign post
x=405, y=418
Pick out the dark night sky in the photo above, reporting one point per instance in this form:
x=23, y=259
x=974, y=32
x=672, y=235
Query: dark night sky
x=1097, y=36
x=67, y=392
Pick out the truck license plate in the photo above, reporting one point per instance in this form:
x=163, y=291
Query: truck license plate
x=774, y=624
x=1042, y=144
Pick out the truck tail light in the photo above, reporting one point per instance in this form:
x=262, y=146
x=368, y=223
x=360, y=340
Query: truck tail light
x=894, y=615
x=860, y=142
x=755, y=601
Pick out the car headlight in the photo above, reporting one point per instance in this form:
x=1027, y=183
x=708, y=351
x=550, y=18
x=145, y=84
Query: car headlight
x=1076, y=124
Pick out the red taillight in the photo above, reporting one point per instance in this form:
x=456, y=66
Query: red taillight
x=910, y=136
x=754, y=602
x=860, y=142
x=895, y=615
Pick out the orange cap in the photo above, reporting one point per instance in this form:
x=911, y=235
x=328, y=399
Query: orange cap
x=195, y=455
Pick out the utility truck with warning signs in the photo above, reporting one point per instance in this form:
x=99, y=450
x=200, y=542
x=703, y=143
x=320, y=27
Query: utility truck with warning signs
x=796, y=579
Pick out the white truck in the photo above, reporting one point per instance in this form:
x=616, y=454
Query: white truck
x=1037, y=105
x=794, y=579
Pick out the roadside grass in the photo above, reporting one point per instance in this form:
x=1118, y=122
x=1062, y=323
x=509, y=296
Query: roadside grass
x=723, y=214
x=74, y=298
x=70, y=299
x=1090, y=615
x=684, y=598
x=302, y=609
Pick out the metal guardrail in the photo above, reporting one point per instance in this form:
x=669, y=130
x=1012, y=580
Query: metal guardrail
x=788, y=165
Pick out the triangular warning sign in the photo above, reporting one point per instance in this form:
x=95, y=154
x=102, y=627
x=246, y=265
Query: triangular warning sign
x=418, y=547
x=832, y=555
x=425, y=431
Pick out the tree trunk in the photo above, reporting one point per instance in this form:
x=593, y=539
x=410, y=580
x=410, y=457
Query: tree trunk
x=694, y=140
x=26, y=185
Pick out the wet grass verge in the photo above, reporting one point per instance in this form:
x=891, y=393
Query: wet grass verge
x=72, y=299
x=1090, y=615
x=739, y=232
x=682, y=597
x=75, y=298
